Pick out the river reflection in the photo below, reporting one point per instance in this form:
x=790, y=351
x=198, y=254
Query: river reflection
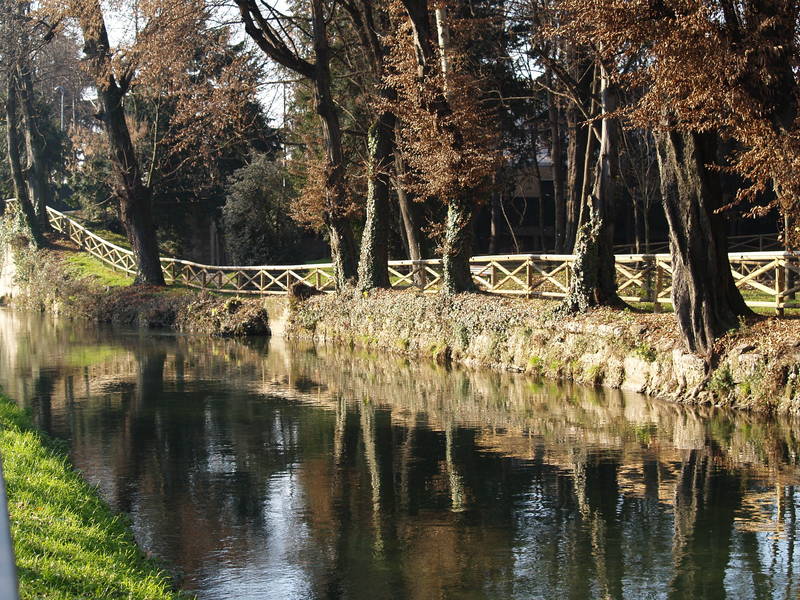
x=263, y=470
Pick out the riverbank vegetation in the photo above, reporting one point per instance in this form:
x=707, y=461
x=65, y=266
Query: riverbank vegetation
x=67, y=542
x=417, y=128
x=64, y=280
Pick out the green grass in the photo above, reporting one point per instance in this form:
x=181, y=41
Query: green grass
x=117, y=239
x=84, y=264
x=68, y=543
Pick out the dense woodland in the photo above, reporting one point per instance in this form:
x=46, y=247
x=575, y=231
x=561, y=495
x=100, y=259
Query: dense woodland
x=372, y=129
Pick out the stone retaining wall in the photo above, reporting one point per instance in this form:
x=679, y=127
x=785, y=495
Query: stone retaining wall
x=621, y=349
x=8, y=285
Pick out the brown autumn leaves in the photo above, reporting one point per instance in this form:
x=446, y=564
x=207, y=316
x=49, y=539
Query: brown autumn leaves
x=706, y=68
x=724, y=67
x=157, y=51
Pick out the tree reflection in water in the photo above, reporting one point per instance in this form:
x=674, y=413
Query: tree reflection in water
x=277, y=471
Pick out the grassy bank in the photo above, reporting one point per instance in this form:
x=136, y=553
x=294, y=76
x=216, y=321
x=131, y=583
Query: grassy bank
x=67, y=541
x=758, y=367
x=64, y=280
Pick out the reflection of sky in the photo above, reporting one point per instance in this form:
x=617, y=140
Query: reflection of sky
x=277, y=565
x=771, y=558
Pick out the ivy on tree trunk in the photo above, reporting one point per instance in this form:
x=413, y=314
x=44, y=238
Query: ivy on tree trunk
x=25, y=212
x=706, y=300
x=343, y=251
x=38, y=177
x=373, y=266
x=593, y=280
x=457, y=247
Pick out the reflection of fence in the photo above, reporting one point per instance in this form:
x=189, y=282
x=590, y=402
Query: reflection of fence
x=767, y=279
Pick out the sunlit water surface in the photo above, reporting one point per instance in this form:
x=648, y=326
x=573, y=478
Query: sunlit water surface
x=267, y=470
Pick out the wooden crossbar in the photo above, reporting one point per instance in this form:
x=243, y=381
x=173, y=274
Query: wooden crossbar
x=749, y=278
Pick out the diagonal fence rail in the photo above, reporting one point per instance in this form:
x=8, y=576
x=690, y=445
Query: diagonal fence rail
x=768, y=279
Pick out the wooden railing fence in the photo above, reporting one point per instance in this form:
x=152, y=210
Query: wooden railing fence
x=767, y=278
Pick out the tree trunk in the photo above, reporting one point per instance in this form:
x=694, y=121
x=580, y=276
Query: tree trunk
x=25, y=212
x=594, y=278
x=576, y=149
x=591, y=143
x=135, y=209
x=637, y=225
x=343, y=251
x=373, y=268
x=457, y=249
x=342, y=241
x=411, y=229
x=605, y=193
x=541, y=246
x=705, y=297
x=411, y=226
x=494, y=222
x=460, y=213
x=586, y=172
x=134, y=197
x=559, y=203
x=270, y=34
x=579, y=136
x=38, y=178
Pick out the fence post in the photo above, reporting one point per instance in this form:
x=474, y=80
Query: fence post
x=647, y=279
x=790, y=277
x=493, y=276
x=570, y=263
x=529, y=277
x=780, y=285
x=419, y=274
x=657, y=285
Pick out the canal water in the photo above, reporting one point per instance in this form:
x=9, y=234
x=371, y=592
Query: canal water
x=268, y=470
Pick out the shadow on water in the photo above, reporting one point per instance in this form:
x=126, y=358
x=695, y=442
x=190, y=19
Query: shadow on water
x=271, y=470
